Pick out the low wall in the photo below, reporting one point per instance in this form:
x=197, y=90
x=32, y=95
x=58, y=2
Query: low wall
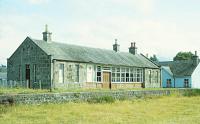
x=80, y=96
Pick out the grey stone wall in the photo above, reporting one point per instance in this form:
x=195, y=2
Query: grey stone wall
x=29, y=53
x=81, y=96
x=69, y=74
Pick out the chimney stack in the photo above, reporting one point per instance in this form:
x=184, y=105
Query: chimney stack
x=133, y=48
x=46, y=34
x=195, y=59
x=116, y=46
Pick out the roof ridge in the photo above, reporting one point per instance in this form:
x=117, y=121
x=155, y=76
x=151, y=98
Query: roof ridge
x=82, y=46
x=79, y=53
x=75, y=45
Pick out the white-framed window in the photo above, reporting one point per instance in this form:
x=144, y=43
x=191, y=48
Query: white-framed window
x=186, y=83
x=169, y=83
x=157, y=77
x=149, y=74
x=131, y=74
x=98, y=73
x=118, y=78
x=76, y=73
x=114, y=74
x=61, y=73
x=123, y=74
x=127, y=74
x=139, y=75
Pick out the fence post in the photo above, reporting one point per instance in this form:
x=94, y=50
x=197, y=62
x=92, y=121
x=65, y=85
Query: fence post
x=11, y=83
x=14, y=84
x=26, y=83
x=6, y=83
x=40, y=84
x=21, y=83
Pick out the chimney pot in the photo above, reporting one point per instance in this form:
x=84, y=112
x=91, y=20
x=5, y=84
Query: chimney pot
x=131, y=44
x=195, y=59
x=46, y=34
x=115, y=41
x=133, y=48
x=195, y=53
x=116, y=46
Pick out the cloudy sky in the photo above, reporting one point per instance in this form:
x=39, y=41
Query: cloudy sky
x=161, y=27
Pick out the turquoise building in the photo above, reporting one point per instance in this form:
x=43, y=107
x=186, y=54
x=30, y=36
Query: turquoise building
x=181, y=74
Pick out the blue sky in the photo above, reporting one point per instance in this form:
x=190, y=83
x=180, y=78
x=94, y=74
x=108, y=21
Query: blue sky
x=161, y=27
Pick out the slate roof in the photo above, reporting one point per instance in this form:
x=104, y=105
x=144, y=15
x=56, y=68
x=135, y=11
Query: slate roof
x=75, y=53
x=167, y=69
x=180, y=68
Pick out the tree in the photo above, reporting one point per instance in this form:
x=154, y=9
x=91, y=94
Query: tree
x=154, y=58
x=183, y=56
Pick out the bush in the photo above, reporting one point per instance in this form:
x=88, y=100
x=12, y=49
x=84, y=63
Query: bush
x=101, y=99
x=193, y=92
x=3, y=109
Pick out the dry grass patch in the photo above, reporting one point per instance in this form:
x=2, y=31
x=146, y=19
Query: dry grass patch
x=19, y=90
x=156, y=110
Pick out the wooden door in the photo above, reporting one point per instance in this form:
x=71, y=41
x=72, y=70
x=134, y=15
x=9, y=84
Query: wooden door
x=28, y=75
x=107, y=80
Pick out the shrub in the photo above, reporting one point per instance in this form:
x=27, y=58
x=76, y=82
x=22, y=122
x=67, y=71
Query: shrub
x=101, y=99
x=193, y=92
x=3, y=109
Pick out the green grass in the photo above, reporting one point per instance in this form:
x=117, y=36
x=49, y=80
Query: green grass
x=29, y=91
x=20, y=91
x=194, y=92
x=152, y=110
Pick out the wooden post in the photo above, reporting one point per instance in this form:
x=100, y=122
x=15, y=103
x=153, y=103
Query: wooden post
x=40, y=84
x=21, y=83
x=26, y=83
x=11, y=83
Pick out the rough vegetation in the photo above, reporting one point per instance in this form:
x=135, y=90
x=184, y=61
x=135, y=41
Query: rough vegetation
x=152, y=110
x=194, y=92
x=19, y=90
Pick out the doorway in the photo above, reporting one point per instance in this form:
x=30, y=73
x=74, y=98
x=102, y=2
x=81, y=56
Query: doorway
x=28, y=75
x=107, y=80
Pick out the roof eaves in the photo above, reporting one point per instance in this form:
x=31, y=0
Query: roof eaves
x=158, y=66
x=38, y=46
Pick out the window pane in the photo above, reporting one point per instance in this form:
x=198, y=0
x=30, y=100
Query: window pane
x=77, y=74
x=98, y=73
x=118, y=69
x=122, y=69
x=98, y=68
x=113, y=69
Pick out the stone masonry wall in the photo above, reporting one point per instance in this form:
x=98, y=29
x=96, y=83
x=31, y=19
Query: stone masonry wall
x=81, y=96
x=69, y=74
x=29, y=53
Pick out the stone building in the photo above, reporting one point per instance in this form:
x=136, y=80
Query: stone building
x=56, y=65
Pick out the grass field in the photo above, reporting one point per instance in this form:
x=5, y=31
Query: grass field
x=28, y=91
x=152, y=110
